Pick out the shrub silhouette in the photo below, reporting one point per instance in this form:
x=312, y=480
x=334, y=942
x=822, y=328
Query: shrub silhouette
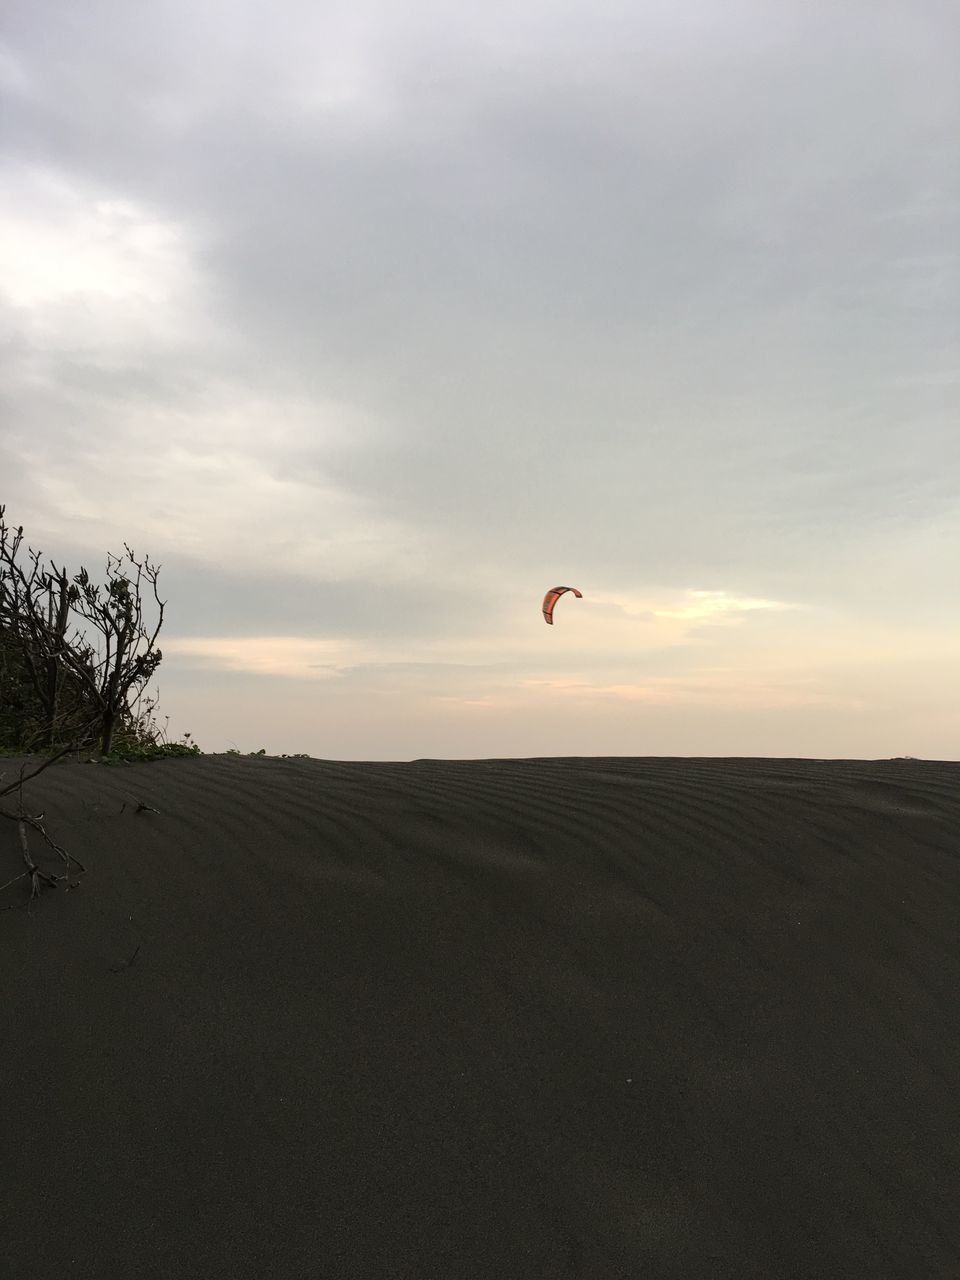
x=54, y=689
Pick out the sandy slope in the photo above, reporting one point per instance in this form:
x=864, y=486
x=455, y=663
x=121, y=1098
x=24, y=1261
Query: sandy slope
x=480, y=1020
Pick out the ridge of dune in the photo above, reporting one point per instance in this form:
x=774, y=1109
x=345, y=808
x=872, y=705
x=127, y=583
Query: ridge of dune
x=550, y=1017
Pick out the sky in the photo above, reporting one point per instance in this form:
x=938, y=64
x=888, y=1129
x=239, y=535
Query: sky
x=371, y=322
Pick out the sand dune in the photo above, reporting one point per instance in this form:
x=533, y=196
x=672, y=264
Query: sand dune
x=478, y=1020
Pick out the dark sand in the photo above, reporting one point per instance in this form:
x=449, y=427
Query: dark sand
x=485, y=1020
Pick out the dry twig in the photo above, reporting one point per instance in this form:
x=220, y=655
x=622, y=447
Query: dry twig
x=126, y=964
x=24, y=820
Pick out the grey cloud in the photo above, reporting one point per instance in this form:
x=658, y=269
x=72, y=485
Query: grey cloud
x=629, y=293
x=215, y=601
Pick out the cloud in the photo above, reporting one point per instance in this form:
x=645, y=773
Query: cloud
x=499, y=652
x=257, y=655
x=81, y=272
x=712, y=689
x=371, y=324
x=717, y=605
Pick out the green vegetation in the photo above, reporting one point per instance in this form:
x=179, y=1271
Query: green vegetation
x=55, y=688
x=143, y=753
x=163, y=751
x=55, y=699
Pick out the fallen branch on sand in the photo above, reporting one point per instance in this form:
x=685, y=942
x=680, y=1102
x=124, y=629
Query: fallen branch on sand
x=141, y=807
x=39, y=878
x=126, y=964
x=23, y=820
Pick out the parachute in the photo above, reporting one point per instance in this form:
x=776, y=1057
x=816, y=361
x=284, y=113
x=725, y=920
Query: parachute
x=551, y=598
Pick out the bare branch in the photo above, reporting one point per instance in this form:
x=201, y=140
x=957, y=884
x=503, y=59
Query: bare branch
x=23, y=820
x=46, y=765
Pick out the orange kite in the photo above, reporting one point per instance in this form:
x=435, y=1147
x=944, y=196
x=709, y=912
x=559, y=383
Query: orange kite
x=551, y=598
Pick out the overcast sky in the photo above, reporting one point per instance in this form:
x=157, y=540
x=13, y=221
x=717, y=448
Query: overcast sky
x=370, y=322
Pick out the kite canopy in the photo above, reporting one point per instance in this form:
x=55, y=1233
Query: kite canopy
x=551, y=598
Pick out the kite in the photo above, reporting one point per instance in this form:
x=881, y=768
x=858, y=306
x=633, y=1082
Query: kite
x=551, y=598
